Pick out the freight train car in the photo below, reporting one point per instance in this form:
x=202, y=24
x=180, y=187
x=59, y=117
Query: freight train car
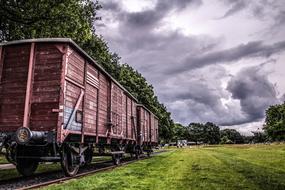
x=148, y=128
x=58, y=105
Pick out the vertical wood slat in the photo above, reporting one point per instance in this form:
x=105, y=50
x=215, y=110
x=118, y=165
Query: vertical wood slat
x=60, y=123
x=98, y=105
x=29, y=87
x=83, y=102
x=127, y=133
x=149, y=127
x=131, y=119
x=1, y=61
x=110, y=101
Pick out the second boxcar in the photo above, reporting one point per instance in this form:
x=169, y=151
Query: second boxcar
x=148, y=128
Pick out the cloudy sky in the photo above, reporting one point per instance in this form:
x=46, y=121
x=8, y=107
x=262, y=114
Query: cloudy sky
x=216, y=60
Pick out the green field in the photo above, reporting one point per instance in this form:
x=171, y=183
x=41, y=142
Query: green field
x=3, y=159
x=214, y=167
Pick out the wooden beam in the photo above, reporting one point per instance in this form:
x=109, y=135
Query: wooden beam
x=29, y=87
x=1, y=61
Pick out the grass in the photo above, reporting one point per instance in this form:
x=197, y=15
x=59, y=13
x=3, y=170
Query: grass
x=3, y=160
x=219, y=167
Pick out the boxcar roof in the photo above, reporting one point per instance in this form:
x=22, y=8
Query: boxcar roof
x=69, y=41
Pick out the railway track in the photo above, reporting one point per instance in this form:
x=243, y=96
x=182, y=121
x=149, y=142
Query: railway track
x=48, y=178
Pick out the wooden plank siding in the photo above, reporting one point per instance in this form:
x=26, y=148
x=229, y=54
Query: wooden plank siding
x=156, y=130
x=124, y=115
x=45, y=87
x=91, y=100
x=66, y=81
x=104, y=87
x=15, y=61
x=152, y=128
x=45, y=83
x=75, y=75
x=117, y=111
x=148, y=125
x=129, y=121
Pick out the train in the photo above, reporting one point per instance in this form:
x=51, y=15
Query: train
x=57, y=104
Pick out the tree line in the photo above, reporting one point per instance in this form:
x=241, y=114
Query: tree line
x=210, y=133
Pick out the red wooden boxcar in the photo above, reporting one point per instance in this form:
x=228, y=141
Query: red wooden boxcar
x=148, y=127
x=58, y=104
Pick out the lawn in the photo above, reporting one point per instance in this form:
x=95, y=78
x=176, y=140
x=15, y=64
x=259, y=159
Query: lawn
x=213, y=167
x=3, y=159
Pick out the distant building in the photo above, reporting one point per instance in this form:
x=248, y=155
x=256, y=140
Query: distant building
x=181, y=143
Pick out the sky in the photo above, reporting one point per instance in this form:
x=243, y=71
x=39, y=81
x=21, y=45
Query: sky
x=221, y=61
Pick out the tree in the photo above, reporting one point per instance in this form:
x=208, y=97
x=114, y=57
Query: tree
x=226, y=140
x=180, y=132
x=275, y=122
x=97, y=48
x=206, y=133
x=212, y=133
x=196, y=132
x=22, y=19
x=233, y=135
x=259, y=137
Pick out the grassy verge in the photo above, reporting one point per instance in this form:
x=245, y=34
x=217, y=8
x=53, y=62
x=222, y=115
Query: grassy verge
x=3, y=160
x=220, y=167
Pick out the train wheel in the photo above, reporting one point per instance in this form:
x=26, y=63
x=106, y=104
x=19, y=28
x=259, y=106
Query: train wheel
x=132, y=155
x=26, y=167
x=138, y=151
x=69, y=163
x=137, y=155
x=148, y=153
x=116, y=159
x=88, y=154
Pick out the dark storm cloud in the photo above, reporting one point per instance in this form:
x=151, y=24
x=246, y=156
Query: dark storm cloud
x=151, y=17
x=236, y=6
x=110, y=6
x=249, y=50
x=264, y=10
x=185, y=70
x=280, y=18
x=136, y=34
x=256, y=8
x=147, y=18
x=254, y=91
x=196, y=97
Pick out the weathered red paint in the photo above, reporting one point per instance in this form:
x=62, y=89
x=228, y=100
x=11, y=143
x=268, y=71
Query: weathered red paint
x=15, y=61
x=28, y=88
x=51, y=80
x=147, y=126
x=1, y=62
